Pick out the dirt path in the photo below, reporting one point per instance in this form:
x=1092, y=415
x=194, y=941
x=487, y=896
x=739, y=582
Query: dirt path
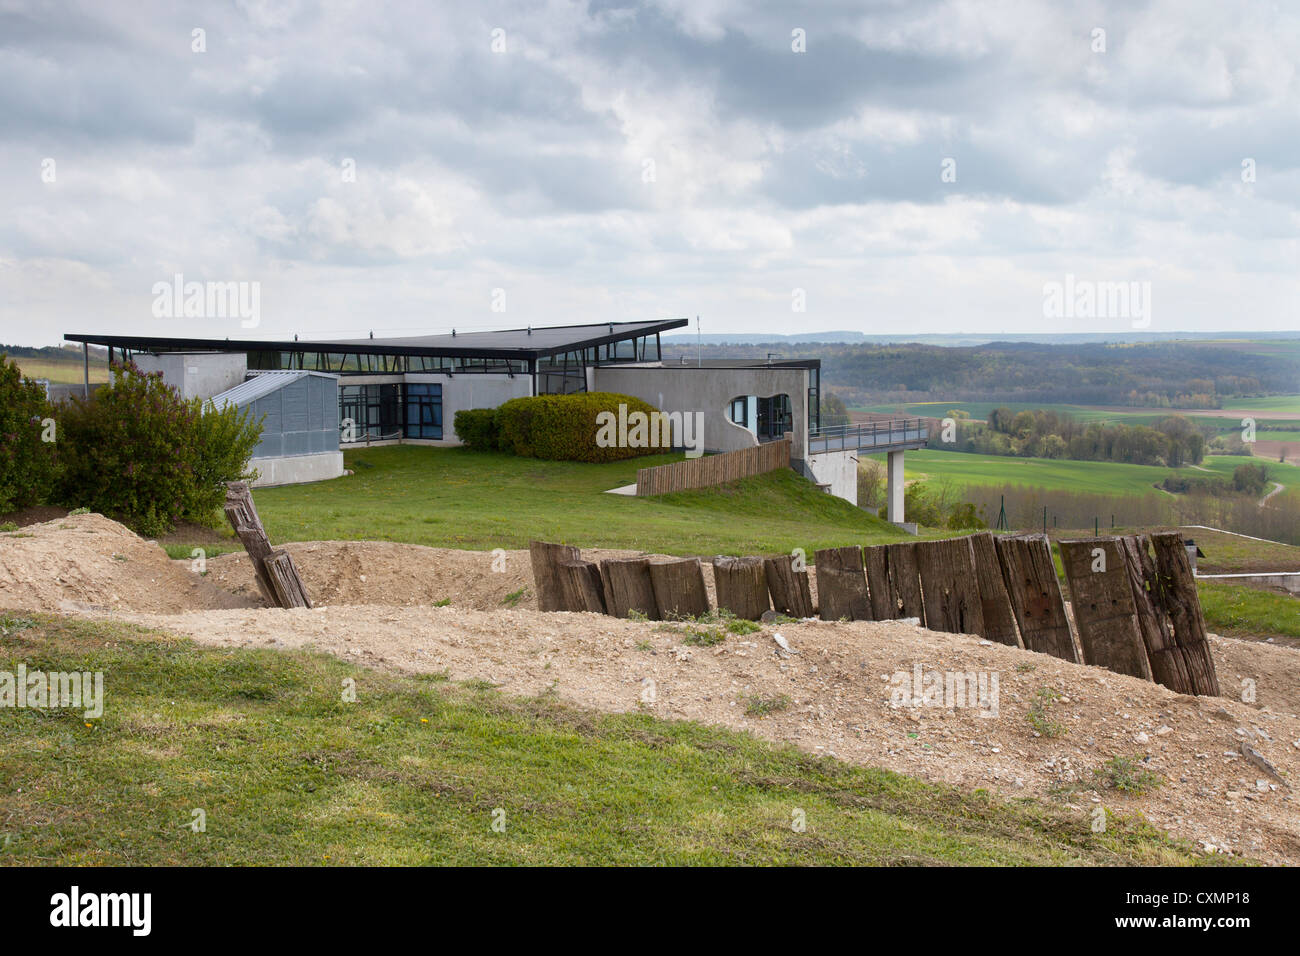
x=1277, y=487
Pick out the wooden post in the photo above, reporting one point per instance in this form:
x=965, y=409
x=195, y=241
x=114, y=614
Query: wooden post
x=580, y=586
x=885, y=604
x=950, y=590
x=999, y=620
x=741, y=586
x=905, y=577
x=628, y=588
x=277, y=576
x=285, y=580
x=1102, y=599
x=1183, y=604
x=841, y=585
x=790, y=592
x=679, y=588
x=1030, y=577
x=1165, y=657
x=546, y=559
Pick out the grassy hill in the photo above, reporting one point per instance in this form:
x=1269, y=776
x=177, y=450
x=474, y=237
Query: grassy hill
x=456, y=498
x=416, y=769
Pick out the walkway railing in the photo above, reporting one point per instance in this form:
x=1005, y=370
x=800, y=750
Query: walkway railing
x=864, y=435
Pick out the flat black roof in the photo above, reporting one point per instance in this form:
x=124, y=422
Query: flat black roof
x=505, y=343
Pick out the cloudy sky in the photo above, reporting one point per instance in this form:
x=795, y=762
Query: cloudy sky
x=403, y=167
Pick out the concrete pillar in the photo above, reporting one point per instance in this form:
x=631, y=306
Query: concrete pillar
x=894, y=487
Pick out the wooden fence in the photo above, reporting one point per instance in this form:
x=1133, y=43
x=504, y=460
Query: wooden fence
x=711, y=470
x=1136, y=610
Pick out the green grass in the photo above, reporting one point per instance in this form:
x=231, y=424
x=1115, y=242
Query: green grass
x=58, y=372
x=456, y=498
x=1238, y=611
x=1085, y=477
x=417, y=769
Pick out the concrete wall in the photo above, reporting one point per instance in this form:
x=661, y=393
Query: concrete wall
x=467, y=390
x=685, y=388
x=197, y=374
x=839, y=469
x=297, y=469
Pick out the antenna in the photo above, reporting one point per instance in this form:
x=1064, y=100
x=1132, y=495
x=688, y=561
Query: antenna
x=699, y=359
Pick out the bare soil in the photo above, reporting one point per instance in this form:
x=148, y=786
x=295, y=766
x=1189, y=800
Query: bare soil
x=836, y=694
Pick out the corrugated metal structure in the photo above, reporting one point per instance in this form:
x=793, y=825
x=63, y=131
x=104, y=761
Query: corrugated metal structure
x=299, y=411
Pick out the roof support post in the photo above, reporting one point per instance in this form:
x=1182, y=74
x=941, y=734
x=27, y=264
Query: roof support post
x=85, y=369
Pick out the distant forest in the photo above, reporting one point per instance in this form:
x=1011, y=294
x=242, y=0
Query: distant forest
x=1182, y=374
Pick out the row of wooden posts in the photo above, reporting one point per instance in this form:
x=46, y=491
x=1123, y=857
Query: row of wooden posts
x=1136, y=610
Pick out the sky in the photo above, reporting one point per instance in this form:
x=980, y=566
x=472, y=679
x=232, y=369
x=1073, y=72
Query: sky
x=399, y=168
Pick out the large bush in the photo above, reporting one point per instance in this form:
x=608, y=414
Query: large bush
x=564, y=427
x=478, y=428
x=144, y=456
x=27, y=461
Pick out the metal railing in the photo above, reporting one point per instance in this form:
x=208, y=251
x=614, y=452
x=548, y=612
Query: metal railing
x=895, y=431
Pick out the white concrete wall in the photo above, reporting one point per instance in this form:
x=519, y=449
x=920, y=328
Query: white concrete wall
x=686, y=388
x=297, y=469
x=839, y=469
x=472, y=391
x=197, y=374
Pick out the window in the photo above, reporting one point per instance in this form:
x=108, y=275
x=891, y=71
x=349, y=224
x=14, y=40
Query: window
x=423, y=410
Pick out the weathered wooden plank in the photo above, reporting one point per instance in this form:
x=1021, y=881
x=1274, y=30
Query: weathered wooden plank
x=1035, y=593
x=949, y=589
x=628, y=588
x=289, y=589
x=885, y=604
x=740, y=585
x=1167, y=664
x=581, y=587
x=905, y=578
x=842, y=585
x=243, y=517
x=547, y=581
x=999, y=620
x=1182, y=603
x=1102, y=599
x=789, y=588
x=679, y=588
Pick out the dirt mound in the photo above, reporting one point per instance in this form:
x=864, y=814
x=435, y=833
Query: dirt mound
x=835, y=695
x=404, y=575
x=88, y=562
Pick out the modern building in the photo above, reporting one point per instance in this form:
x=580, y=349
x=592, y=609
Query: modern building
x=409, y=389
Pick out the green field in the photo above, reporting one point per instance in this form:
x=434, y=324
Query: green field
x=456, y=498
x=417, y=768
x=62, y=372
x=1092, y=477
x=1240, y=611
x=1225, y=421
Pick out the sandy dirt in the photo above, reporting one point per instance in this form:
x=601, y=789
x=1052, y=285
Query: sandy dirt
x=841, y=687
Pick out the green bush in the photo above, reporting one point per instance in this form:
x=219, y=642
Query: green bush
x=144, y=456
x=564, y=427
x=27, y=462
x=479, y=428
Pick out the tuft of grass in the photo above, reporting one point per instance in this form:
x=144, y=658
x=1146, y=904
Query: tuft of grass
x=760, y=705
x=78, y=511
x=185, y=552
x=1039, y=715
x=8, y=526
x=1128, y=775
x=445, y=602
x=513, y=598
x=409, y=773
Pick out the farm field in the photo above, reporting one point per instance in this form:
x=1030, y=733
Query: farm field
x=59, y=372
x=456, y=498
x=1277, y=408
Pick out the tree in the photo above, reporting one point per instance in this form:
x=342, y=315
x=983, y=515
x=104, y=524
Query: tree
x=27, y=440
x=833, y=411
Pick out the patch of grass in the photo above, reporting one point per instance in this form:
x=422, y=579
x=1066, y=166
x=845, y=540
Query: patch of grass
x=1128, y=775
x=760, y=705
x=1040, y=717
x=514, y=597
x=78, y=511
x=451, y=498
x=288, y=773
x=1240, y=611
x=445, y=602
x=185, y=552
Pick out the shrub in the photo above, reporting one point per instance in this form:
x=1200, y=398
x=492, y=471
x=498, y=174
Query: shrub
x=564, y=427
x=144, y=456
x=479, y=428
x=27, y=463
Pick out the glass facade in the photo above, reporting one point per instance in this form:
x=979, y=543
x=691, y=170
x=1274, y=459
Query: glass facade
x=377, y=412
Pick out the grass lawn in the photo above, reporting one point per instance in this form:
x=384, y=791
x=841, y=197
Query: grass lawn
x=65, y=372
x=1236, y=610
x=456, y=498
x=415, y=771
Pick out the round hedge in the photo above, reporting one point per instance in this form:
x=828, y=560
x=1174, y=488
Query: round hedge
x=564, y=427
